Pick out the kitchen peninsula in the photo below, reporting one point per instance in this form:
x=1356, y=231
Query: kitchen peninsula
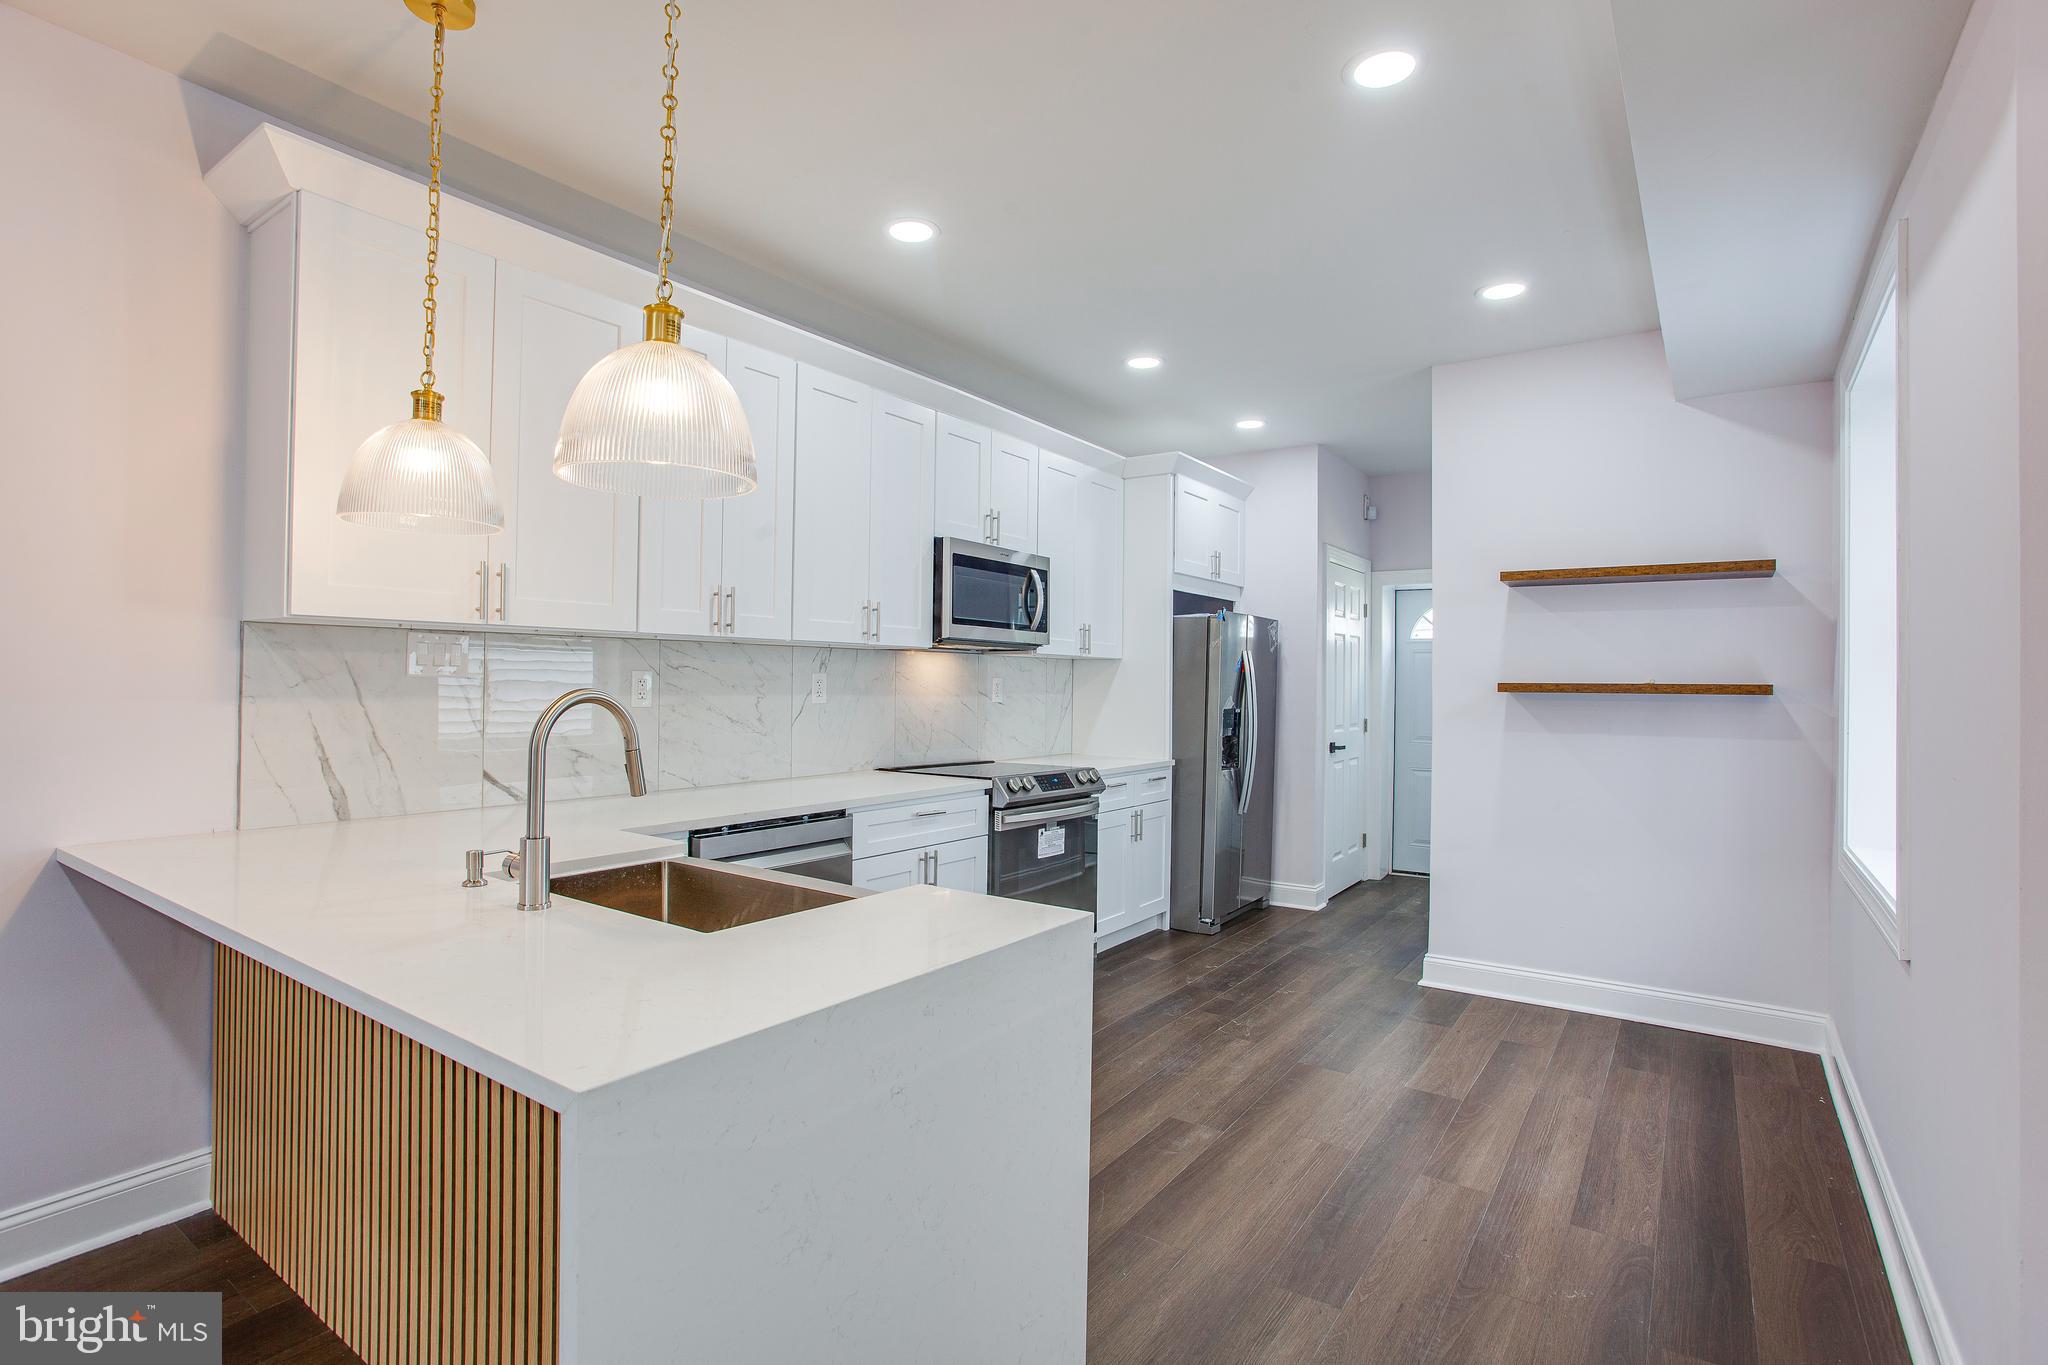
x=858, y=1131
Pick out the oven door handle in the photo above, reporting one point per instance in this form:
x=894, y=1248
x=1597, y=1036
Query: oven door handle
x=1045, y=815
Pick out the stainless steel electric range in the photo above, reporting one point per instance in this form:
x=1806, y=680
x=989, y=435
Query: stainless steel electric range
x=1041, y=829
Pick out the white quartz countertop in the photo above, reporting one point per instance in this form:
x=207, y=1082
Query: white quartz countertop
x=373, y=913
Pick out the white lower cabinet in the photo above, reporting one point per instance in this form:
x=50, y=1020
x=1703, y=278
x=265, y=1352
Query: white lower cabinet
x=1134, y=847
x=961, y=865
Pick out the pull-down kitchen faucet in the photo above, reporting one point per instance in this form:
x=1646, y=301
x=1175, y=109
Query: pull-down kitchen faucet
x=532, y=864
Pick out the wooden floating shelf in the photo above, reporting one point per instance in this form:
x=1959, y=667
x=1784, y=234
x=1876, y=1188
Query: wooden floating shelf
x=1641, y=573
x=1646, y=689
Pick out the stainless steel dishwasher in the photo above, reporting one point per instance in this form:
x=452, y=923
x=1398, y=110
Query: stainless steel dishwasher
x=818, y=845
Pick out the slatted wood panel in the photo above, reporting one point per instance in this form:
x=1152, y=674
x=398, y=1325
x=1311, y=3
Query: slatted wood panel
x=411, y=1202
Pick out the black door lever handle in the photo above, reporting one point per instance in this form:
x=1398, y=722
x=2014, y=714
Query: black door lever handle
x=1336, y=748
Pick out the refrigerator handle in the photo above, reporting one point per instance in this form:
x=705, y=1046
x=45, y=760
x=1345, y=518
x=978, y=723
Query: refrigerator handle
x=1248, y=735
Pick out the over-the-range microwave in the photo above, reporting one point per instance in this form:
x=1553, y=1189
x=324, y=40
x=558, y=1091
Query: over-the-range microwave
x=987, y=597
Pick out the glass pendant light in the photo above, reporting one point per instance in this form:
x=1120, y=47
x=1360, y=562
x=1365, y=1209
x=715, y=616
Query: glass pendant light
x=656, y=419
x=421, y=474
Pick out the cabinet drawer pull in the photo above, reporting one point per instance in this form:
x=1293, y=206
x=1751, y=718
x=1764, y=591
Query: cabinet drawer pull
x=483, y=590
x=717, y=601
x=504, y=587
x=928, y=814
x=732, y=609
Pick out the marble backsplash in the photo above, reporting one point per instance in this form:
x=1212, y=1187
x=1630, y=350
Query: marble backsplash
x=335, y=728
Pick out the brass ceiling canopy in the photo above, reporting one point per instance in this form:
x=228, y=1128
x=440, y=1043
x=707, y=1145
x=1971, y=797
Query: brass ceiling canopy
x=454, y=15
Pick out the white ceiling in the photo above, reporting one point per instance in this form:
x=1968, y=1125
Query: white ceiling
x=1769, y=137
x=1187, y=177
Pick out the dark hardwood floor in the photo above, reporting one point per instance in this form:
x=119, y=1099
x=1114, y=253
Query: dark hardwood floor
x=1300, y=1155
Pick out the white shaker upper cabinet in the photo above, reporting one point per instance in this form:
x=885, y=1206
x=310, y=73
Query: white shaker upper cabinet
x=326, y=375
x=834, y=463
x=1100, y=542
x=1208, y=537
x=682, y=543
x=759, y=554
x=572, y=555
x=1059, y=521
x=1012, y=492
x=960, y=467
x=900, y=520
x=722, y=567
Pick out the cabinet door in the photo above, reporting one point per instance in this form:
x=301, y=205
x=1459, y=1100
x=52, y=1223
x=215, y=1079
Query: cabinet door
x=1101, y=600
x=1013, y=492
x=1194, y=528
x=1151, y=860
x=1060, y=540
x=888, y=871
x=758, y=556
x=829, y=589
x=682, y=540
x=1115, y=853
x=573, y=562
x=960, y=470
x=1229, y=524
x=357, y=340
x=900, y=543
x=963, y=866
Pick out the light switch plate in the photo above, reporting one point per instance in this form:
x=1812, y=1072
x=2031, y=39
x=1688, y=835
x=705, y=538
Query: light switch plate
x=434, y=654
x=817, y=689
x=643, y=687
x=995, y=689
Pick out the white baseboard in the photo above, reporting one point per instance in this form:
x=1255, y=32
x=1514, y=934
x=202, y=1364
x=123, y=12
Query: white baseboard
x=49, y=1230
x=1928, y=1334
x=1801, y=1029
x=1289, y=895
x=1129, y=932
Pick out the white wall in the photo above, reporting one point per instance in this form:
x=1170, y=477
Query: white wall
x=1340, y=508
x=119, y=397
x=1947, y=1051
x=1400, y=535
x=1668, y=842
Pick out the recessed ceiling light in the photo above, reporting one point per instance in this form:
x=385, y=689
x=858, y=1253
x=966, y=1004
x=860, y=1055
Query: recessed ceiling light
x=912, y=230
x=1143, y=362
x=1250, y=423
x=1378, y=70
x=1503, y=291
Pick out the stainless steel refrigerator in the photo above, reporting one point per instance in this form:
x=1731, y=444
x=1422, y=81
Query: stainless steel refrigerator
x=1226, y=690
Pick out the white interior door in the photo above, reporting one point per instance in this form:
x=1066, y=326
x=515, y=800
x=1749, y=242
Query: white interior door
x=1414, y=634
x=1344, y=706
x=574, y=553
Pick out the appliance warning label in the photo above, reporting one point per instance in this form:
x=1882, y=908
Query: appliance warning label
x=1052, y=840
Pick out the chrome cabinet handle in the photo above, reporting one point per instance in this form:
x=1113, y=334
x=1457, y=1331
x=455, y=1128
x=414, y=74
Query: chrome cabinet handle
x=878, y=620
x=732, y=609
x=1116, y=786
x=928, y=814
x=483, y=590
x=717, y=598
x=504, y=587
x=1138, y=819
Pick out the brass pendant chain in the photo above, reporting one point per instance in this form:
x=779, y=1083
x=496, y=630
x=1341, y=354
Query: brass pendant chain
x=433, y=201
x=668, y=155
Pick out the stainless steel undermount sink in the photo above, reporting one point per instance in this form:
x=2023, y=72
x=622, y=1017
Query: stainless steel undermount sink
x=691, y=893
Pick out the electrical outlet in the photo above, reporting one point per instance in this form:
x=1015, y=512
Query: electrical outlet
x=431, y=654
x=995, y=689
x=817, y=689
x=643, y=687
